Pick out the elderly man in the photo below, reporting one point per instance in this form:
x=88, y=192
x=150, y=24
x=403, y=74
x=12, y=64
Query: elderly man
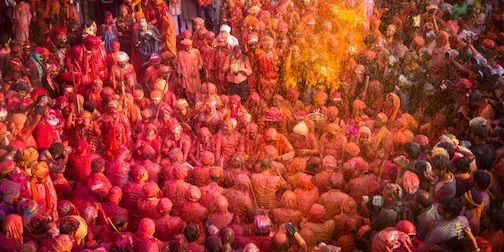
x=266, y=184
x=118, y=72
x=228, y=141
x=189, y=66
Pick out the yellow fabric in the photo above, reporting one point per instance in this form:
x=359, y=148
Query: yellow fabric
x=479, y=207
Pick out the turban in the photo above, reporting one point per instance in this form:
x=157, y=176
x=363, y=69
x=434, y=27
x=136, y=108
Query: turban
x=92, y=42
x=3, y=112
x=474, y=198
x=421, y=140
x=419, y=41
x=329, y=162
x=273, y=115
x=271, y=134
x=406, y=227
x=221, y=204
x=193, y=193
x=41, y=170
x=62, y=243
x=317, y=213
x=411, y=182
x=352, y=149
x=216, y=172
x=140, y=174
x=252, y=38
x=358, y=104
x=150, y=189
x=107, y=92
x=319, y=96
x=382, y=117
x=6, y=167
x=305, y=181
x=207, y=158
x=251, y=247
x=156, y=95
x=270, y=151
x=9, y=190
x=464, y=83
x=301, y=128
x=337, y=180
x=297, y=165
x=488, y=43
x=121, y=57
x=138, y=94
x=160, y=85
x=115, y=194
x=186, y=42
x=332, y=128
x=181, y=104
x=146, y=228
x=19, y=119
x=365, y=130
x=262, y=223
x=164, y=204
x=154, y=58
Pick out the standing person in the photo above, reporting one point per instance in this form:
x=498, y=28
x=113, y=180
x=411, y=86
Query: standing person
x=238, y=69
x=205, y=10
x=175, y=8
x=21, y=21
x=109, y=31
x=124, y=23
x=146, y=39
x=189, y=12
x=189, y=66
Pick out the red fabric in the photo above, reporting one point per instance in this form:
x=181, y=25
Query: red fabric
x=44, y=134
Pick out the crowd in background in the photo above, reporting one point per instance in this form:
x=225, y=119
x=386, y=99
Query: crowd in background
x=198, y=125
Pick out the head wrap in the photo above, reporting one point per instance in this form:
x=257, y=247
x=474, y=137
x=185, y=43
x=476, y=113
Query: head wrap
x=332, y=128
x=121, y=57
x=6, y=167
x=364, y=130
x=352, y=149
x=421, y=140
x=115, y=194
x=140, y=174
x=193, y=193
x=154, y=58
x=317, y=213
x=9, y=190
x=301, y=129
x=406, y=227
x=411, y=182
x=164, y=205
x=319, y=96
x=151, y=189
x=207, y=158
x=474, y=198
x=181, y=104
x=358, y=104
x=329, y=162
x=297, y=165
x=92, y=42
x=146, y=228
x=262, y=223
x=440, y=151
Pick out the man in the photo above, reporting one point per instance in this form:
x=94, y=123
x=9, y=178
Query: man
x=167, y=226
x=451, y=227
x=266, y=184
x=228, y=141
x=153, y=72
x=238, y=69
x=118, y=72
x=146, y=40
x=189, y=66
x=220, y=59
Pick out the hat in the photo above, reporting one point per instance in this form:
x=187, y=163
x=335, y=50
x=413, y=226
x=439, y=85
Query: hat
x=121, y=57
x=406, y=227
x=181, y=104
x=320, y=96
x=9, y=190
x=225, y=28
x=301, y=128
x=207, y=157
x=138, y=94
x=358, y=104
x=193, y=193
x=164, y=204
x=352, y=149
x=6, y=167
x=156, y=95
x=262, y=223
x=115, y=194
x=150, y=189
x=216, y=172
x=186, y=42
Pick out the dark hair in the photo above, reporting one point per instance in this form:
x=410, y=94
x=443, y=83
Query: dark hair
x=480, y=131
x=191, y=232
x=98, y=165
x=423, y=198
x=213, y=244
x=227, y=235
x=496, y=218
x=265, y=164
x=14, y=43
x=441, y=163
x=68, y=225
x=448, y=147
x=56, y=149
x=179, y=244
x=481, y=179
x=88, y=106
x=451, y=205
x=412, y=150
x=461, y=165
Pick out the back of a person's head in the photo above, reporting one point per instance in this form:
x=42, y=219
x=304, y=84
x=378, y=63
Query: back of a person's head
x=496, y=219
x=265, y=164
x=56, y=149
x=213, y=244
x=481, y=179
x=448, y=147
x=441, y=162
x=98, y=165
x=412, y=150
x=191, y=232
x=179, y=244
x=461, y=165
x=423, y=198
x=227, y=235
x=479, y=131
x=451, y=205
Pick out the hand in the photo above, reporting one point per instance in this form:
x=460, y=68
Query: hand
x=429, y=177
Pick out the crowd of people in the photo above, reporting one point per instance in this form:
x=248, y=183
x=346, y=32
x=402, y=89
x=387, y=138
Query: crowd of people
x=218, y=125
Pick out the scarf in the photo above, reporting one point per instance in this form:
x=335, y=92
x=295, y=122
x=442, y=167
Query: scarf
x=38, y=64
x=479, y=207
x=36, y=195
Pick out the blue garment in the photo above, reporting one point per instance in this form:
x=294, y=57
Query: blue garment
x=110, y=36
